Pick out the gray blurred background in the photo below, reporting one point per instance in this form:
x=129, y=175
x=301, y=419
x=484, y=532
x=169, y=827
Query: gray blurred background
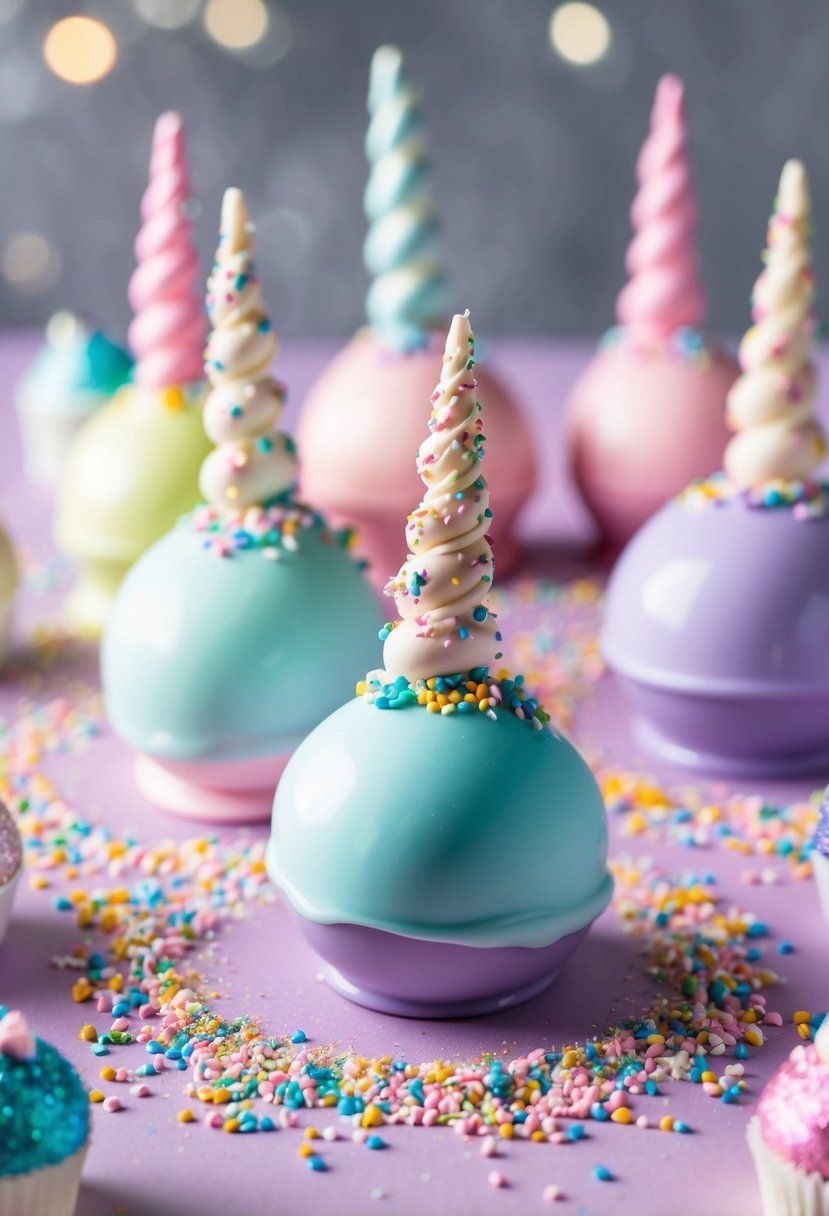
x=533, y=153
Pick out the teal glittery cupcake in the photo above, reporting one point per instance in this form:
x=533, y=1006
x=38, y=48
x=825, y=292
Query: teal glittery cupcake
x=44, y=1124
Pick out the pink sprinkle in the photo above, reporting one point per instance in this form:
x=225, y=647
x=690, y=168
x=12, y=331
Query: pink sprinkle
x=496, y=1178
x=111, y=1105
x=489, y=1147
x=140, y=1091
x=551, y=1193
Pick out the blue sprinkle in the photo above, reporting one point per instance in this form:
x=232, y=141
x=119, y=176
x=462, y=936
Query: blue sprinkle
x=602, y=1174
x=785, y=948
x=375, y=1142
x=299, y=1036
x=576, y=1132
x=99, y=1049
x=267, y=1124
x=316, y=1164
x=62, y=904
x=599, y=1112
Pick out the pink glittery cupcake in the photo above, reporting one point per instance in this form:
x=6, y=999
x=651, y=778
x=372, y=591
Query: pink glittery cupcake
x=11, y=861
x=789, y=1135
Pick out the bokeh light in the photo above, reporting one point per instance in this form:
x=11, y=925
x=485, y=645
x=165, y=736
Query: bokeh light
x=580, y=33
x=167, y=14
x=236, y=24
x=30, y=263
x=80, y=50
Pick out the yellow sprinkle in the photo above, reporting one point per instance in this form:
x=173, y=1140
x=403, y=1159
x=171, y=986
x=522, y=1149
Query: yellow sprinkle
x=231, y=1125
x=95, y=1095
x=172, y=398
x=38, y=882
x=306, y=1150
x=666, y=1123
x=88, y=1034
x=311, y=1133
x=82, y=990
x=186, y=1116
x=709, y=1077
x=623, y=1114
x=539, y=1137
x=506, y=1131
x=372, y=1117
x=801, y=1016
x=108, y=1073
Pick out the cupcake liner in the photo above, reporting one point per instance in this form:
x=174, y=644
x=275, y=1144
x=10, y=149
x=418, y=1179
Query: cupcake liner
x=48, y=434
x=6, y=900
x=786, y=1190
x=820, y=865
x=51, y=1190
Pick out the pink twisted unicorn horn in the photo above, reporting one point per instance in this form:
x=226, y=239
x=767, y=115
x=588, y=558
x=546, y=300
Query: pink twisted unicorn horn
x=664, y=292
x=168, y=332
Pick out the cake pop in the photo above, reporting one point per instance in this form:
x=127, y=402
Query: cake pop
x=717, y=618
x=72, y=376
x=11, y=862
x=133, y=468
x=646, y=416
x=820, y=854
x=223, y=649
x=789, y=1135
x=373, y=389
x=442, y=848
x=44, y=1124
x=8, y=589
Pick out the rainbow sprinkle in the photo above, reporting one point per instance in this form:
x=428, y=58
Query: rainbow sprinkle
x=463, y=693
x=271, y=530
x=809, y=500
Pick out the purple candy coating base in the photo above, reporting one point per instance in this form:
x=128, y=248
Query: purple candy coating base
x=785, y=736
x=717, y=626
x=413, y=978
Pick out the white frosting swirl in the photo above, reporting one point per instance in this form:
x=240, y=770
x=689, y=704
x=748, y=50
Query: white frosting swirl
x=253, y=463
x=445, y=626
x=772, y=404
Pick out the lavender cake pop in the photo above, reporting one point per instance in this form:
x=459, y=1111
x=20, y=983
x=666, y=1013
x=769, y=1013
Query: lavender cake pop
x=820, y=854
x=717, y=618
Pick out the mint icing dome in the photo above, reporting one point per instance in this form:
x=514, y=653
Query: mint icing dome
x=233, y=657
x=44, y=1110
x=464, y=830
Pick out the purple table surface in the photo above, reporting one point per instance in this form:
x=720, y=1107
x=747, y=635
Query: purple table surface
x=142, y=1161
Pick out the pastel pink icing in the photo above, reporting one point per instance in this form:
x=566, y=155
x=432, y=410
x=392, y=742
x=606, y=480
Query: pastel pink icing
x=665, y=291
x=794, y=1108
x=16, y=1038
x=168, y=332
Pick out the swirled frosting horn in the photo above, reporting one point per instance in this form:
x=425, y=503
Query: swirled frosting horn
x=167, y=332
x=772, y=404
x=253, y=463
x=445, y=626
x=406, y=298
x=664, y=292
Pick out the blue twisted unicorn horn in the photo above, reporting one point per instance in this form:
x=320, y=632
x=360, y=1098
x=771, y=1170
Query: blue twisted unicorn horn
x=406, y=299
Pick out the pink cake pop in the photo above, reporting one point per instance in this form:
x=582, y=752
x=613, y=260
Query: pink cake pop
x=168, y=331
x=370, y=397
x=647, y=415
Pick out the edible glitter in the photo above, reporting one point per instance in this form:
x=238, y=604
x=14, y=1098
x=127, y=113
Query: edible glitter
x=44, y=1111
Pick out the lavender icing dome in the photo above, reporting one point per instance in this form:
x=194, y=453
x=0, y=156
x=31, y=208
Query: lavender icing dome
x=717, y=625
